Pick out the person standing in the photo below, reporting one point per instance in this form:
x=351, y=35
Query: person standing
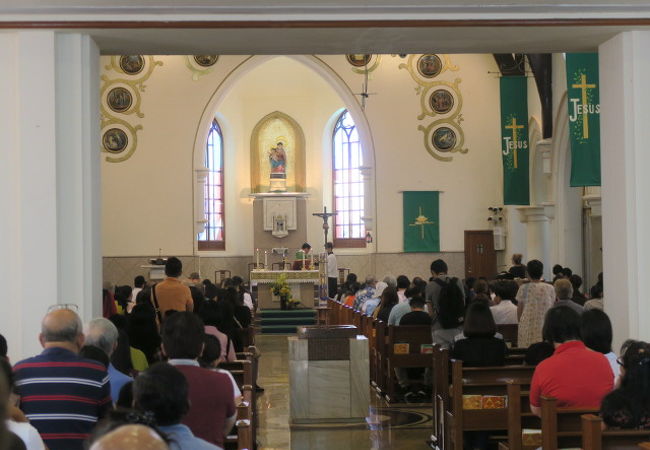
x=534, y=299
x=332, y=271
x=172, y=293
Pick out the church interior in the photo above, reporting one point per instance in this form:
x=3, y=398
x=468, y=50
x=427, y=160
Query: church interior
x=452, y=136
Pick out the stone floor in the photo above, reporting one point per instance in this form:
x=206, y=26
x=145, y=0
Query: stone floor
x=387, y=426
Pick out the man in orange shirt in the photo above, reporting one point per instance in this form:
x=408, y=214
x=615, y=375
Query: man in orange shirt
x=172, y=294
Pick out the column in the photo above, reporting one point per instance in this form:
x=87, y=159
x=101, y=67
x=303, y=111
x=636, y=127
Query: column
x=625, y=161
x=49, y=181
x=537, y=220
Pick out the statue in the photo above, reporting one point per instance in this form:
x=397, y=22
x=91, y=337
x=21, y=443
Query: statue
x=278, y=161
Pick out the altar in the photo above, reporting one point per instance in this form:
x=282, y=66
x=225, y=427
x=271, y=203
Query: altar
x=304, y=286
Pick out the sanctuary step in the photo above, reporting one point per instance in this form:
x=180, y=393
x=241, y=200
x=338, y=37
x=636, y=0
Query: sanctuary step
x=278, y=321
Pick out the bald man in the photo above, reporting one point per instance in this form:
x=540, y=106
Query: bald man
x=130, y=436
x=62, y=394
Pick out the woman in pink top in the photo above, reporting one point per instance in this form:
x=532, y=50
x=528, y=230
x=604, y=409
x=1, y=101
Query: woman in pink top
x=210, y=315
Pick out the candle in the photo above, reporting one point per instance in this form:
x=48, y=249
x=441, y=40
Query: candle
x=311, y=261
x=304, y=255
x=266, y=262
x=257, y=257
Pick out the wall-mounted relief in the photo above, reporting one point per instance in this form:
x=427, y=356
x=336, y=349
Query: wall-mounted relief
x=200, y=65
x=360, y=62
x=277, y=155
x=121, y=96
x=440, y=100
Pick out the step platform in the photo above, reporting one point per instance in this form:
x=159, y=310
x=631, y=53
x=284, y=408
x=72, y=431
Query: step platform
x=279, y=321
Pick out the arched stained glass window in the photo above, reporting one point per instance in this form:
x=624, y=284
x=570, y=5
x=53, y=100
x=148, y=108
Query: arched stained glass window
x=214, y=237
x=349, y=229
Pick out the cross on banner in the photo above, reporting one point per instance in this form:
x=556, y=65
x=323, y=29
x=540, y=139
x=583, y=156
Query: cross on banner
x=420, y=221
x=325, y=216
x=585, y=112
x=514, y=127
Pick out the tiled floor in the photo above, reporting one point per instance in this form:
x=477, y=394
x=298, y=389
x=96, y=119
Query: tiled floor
x=387, y=427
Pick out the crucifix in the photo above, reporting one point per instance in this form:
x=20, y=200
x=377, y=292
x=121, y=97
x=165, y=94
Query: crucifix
x=514, y=127
x=584, y=87
x=325, y=216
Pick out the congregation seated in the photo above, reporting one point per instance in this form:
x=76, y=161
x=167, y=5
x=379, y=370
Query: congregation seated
x=596, y=292
x=576, y=283
x=210, y=359
x=628, y=406
x=349, y=287
x=212, y=321
x=575, y=375
x=417, y=316
x=403, y=284
x=538, y=352
x=370, y=305
x=399, y=310
x=80, y=398
x=448, y=314
x=504, y=310
x=564, y=294
x=102, y=334
x=126, y=359
x=364, y=294
x=142, y=330
x=479, y=347
x=388, y=301
x=597, y=334
x=170, y=407
x=244, y=295
x=126, y=428
x=442, y=284
x=211, y=414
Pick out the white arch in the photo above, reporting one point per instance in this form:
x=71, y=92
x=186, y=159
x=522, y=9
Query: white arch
x=331, y=78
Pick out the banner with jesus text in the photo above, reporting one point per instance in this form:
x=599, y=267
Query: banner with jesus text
x=584, y=118
x=421, y=221
x=514, y=140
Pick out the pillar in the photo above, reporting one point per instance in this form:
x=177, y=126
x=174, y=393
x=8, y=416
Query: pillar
x=538, y=231
x=49, y=181
x=624, y=64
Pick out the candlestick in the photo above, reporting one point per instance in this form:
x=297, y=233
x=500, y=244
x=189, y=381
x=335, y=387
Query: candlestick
x=311, y=261
x=257, y=258
x=304, y=256
x=266, y=261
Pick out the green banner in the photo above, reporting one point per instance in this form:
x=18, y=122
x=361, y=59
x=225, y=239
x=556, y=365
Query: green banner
x=421, y=221
x=514, y=140
x=584, y=118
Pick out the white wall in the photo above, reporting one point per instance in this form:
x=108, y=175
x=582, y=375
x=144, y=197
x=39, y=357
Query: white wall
x=147, y=200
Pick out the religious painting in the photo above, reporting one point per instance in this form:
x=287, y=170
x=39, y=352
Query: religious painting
x=115, y=140
x=206, y=60
x=119, y=99
x=444, y=139
x=429, y=65
x=277, y=155
x=358, y=60
x=441, y=101
x=131, y=64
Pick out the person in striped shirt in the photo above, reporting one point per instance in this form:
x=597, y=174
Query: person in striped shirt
x=62, y=394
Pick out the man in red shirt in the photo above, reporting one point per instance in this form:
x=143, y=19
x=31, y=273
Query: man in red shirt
x=574, y=375
x=212, y=411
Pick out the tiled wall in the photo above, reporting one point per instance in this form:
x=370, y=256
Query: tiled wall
x=122, y=270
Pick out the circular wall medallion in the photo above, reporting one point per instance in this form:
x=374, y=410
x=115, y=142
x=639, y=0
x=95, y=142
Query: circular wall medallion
x=131, y=64
x=119, y=99
x=429, y=65
x=358, y=60
x=206, y=60
x=115, y=140
x=441, y=101
x=444, y=139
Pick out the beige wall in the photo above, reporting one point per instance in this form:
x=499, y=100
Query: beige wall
x=148, y=199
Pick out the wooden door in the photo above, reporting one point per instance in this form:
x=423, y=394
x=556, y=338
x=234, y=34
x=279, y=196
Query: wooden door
x=480, y=256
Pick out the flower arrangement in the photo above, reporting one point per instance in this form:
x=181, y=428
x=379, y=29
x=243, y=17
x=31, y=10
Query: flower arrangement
x=281, y=288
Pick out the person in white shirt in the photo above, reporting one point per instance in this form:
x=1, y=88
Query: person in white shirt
x=332, y=271
x=504, y=310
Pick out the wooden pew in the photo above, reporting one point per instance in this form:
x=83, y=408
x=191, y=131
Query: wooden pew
x=414, y=336
x=244, y=424
x=381, y=331
x=561, y=426
x=478, y=381
x=594, y=438
x=440, y=393
x=519, y=415
x=509, y=333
